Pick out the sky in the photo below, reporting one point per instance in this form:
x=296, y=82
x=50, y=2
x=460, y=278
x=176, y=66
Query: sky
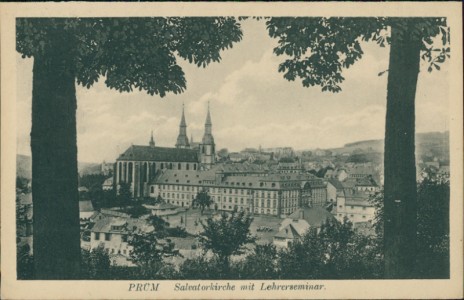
x=251, y=105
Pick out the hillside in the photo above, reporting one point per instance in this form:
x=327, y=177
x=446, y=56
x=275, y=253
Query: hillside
x=426, y=142
x=24, y=167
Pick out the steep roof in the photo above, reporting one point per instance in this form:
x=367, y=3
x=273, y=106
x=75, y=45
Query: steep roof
x=147, y=153
x=336, y=183
x=289, y=232
x=315, y=216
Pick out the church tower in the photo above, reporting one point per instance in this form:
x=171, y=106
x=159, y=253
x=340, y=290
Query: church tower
x=207, y=147
x=182, y=139
x=152, y=140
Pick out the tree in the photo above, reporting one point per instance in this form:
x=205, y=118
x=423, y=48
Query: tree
x=335, y=252
x=131, y=53
x=203, y=200
x=433, y=223
x=261, y=264
x=432, y=256
x=159, y=224
x=227, y=236
x=318, y=50
x=124, y=195
x=149, y=251
x=95, y=263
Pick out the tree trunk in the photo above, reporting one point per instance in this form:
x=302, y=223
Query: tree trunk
x=56, y=233
x=399, y=161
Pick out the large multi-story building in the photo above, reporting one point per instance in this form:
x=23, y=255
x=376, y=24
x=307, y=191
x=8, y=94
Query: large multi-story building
x=253, y=190
x=139, y=164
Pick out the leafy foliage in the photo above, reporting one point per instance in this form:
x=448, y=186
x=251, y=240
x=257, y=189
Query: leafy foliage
x=201, y=267
x=203, y=200
x=433, y=259
x=159, y=224
x=432, y=225
x=335, y=252
x=124, y=196
x=263, y=263
x=149, y=251
x=95, y=263
x=24, y=262
x=132, y=53
x=318, y=49
x=227, y=235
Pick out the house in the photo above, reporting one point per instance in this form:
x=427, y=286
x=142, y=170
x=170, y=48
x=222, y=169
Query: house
x=112, y=233
x=108, y=184
x=298, y=223
x=355, y=206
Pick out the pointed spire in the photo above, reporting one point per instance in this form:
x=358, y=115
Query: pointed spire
x=182, y=139
x=208, y=117
x=182, y=121
x=152, y=140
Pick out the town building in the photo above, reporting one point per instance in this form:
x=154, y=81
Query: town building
x=296, y=225
x=241, y=187
x=108, y=184
x=112, y=233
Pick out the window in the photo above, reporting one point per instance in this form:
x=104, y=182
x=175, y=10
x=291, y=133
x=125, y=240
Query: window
x=97, y=236
x=179, y=166
x=152, y=189
x=352, y=207
x=364, y=208
x=194, y=166
x=188, y=166
x=107, y=236
x=124, y=238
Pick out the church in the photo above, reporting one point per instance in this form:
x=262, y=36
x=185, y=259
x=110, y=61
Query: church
x=139, y=164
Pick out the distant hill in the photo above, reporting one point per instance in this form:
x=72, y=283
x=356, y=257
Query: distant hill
x=427, y=143
x=24, y=167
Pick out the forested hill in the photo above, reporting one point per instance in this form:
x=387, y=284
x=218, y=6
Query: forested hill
x=24, y=167
x=425, y=142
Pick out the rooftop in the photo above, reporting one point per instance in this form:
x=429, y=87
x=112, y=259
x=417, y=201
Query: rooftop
x=147, y=153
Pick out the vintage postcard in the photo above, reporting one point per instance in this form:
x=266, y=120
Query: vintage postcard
x=231, y=150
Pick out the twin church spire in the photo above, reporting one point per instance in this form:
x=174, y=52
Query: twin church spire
x=206, y=148
x=182, y=139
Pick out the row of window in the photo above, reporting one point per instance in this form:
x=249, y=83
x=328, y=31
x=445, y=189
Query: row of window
x=351, y=216
x=107, y=237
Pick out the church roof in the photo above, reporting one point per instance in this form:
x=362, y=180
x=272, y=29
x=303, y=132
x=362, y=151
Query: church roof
x=147, y=153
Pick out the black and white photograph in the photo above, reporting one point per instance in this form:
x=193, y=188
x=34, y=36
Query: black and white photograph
x=239, y=150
